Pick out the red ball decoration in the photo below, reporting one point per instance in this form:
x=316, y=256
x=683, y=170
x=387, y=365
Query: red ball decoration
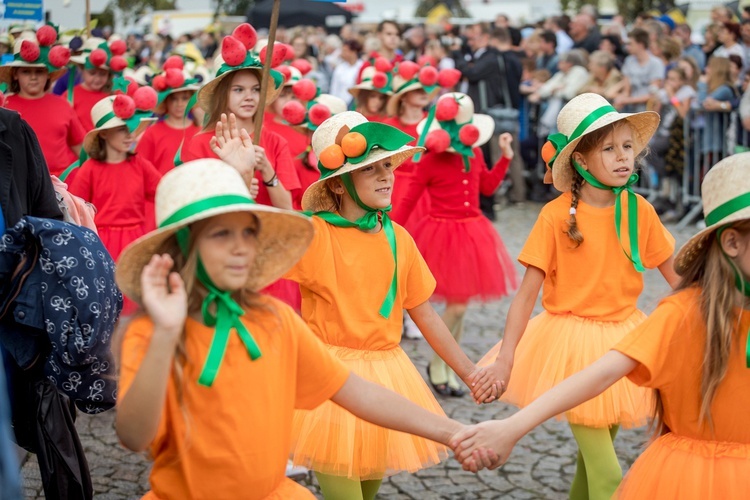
x=318, y=114
x=407, y=69
x=98, y=57
x=468, y=134
x=132, y=85
x=59, y=56
x=288, y=52
x=29, y=51
x=446, y=109
x=46, y=35
x=118, y=47
x=303, y=65
x=305, y=90
x=427, y=61
x=277, y=56
x=246, y=34
x=449, y=77
x=159, y=83
x=233, y=51
x=293, y=112
x=437, y=141
x=428, y=76
x=145, y=98
x=118, y=63
x=123, y=106
x=383, y=64
x=175, y=62
x=174, y=78
x=379, y=80
x=284, y=70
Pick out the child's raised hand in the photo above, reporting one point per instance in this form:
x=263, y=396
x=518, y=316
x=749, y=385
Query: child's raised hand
x=482, y=388
x=488, y=442
x=505, y=142
x=164, y=296
x=234, y=146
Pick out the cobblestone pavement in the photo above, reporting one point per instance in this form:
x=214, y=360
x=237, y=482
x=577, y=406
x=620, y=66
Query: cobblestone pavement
x=541, y=466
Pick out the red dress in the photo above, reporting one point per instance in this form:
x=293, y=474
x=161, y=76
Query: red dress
x=119, y=192
x=404, y=179
x=300, y=149
x=56, y=126
x=159, y=144
x=461, y=247
x=277, y=151
x=83, y=101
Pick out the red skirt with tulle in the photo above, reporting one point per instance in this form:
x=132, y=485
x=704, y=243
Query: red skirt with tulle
x=467, y=258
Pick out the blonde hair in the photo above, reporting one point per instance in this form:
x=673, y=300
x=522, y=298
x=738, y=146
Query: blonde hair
x=714, y=274
x=720, y=74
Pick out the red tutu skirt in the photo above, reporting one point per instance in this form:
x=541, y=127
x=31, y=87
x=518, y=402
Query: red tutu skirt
x=467, y=258
x=286, y=291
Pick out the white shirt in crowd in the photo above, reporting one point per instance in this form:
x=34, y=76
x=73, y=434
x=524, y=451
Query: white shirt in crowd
x=343, y=78
x=564, y=42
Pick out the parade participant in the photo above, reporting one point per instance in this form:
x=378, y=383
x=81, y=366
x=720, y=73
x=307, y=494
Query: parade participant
x=117, y=181
x=197, y=277
x=236, y=90
x=34, y=67
x=693, y=350
x=99, y=63
x=591, y=267
x=371, y=94
x=460, y=245
x=356, y=243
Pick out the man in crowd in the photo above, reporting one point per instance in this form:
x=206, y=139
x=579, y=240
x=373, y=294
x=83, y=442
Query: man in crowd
x=644, y=73
x=585, y=33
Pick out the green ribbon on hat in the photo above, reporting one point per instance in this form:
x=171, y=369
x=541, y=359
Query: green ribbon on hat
x=728, y=208
x=105, y=47
x=161, y=96
x=635, y=253
x=739, y=281
x=453, y=128
x=388, y=86
x=42, y=59
x=378, y=136
x=252, y=62
x=132, y=122
x=228, y=311
x=560, y=140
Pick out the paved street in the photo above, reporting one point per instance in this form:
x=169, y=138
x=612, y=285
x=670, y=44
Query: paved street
x=542, y=465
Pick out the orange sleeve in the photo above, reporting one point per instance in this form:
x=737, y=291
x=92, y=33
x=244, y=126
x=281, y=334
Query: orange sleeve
x=420, y=283
x=320, y=375
x=658, y=245
x=650, y=345
x=305, y=269
x=539, y=249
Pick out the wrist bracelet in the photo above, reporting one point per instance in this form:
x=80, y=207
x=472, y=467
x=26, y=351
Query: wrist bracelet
x=273, y=182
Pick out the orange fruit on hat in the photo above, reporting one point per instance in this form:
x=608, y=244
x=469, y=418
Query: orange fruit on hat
x=548, y=152
x=353, y=144
x=332, y=157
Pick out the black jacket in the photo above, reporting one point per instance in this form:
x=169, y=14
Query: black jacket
x=25, y=185
x=486, y=68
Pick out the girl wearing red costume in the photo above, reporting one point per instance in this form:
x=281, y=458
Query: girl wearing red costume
x=371, y=94
x=460, y=246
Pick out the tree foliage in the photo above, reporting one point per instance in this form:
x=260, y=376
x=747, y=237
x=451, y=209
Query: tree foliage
x=233, y=7
x=133, y=9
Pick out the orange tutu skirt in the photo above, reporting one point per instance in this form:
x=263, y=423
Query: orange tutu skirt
x=555, y=346
x=287, y=490
x=689, y=469
x=331, y=440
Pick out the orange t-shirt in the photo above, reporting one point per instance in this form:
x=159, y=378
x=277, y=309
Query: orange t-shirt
x=669, y=345
x=344, y=277
x=595, y=280
x=237, y=439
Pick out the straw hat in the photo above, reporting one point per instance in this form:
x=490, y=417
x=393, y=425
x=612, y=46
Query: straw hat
x=142, y=75
x=282, y=240
x=725, y=193
x=90, y=44
x=598, y=113
x=175, y=78
x=465, y=115
x=317, y=198
x=190, y=51
x=43, y=61
x=366, y=83
x=401, y=87
x=104, y=111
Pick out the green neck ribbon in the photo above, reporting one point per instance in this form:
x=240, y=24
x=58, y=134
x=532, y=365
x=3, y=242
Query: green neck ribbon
x=453, y=128
x=635, y=253
x=227, y=311
x=190, y=105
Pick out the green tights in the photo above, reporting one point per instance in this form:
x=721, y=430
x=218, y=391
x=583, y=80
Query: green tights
x=343, y=488
x=598, y=473
x=440, y=372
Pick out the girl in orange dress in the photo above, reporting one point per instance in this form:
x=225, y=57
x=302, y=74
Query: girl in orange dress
x=356, y=243
x=588, y=248
x=694, y=350
x=211, y=373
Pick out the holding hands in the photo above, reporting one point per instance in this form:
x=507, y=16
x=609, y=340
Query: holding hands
x=486, y=445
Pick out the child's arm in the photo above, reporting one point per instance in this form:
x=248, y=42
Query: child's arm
x=489, y=180
x=501, y=435
x=518, y=317
x=165, y=301
x=385, y=408
x=443, y=343
x=667, y=270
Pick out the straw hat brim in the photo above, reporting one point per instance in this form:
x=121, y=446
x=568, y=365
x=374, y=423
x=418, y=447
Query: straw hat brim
x=283, y=239
x=484, y=123
x=90, y=138
x=317, y=198
x=6, y=71
x=206, y=93
x=161, y=108
x=354, y=91
x=394, y=101
x=644, y=125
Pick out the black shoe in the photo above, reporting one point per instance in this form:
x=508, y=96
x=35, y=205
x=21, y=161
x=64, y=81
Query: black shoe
x=441, y=389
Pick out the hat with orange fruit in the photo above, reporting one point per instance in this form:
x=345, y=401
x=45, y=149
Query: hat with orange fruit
x=347, y=142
